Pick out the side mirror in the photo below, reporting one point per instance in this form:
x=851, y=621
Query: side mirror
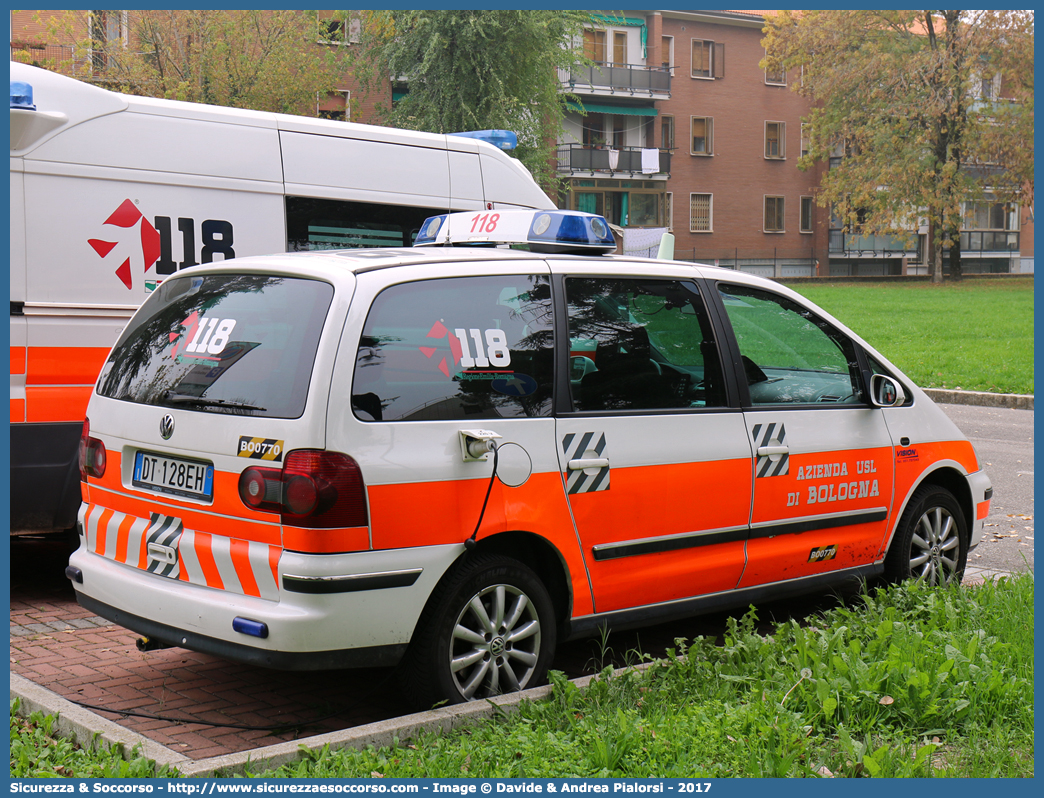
x=886, y=392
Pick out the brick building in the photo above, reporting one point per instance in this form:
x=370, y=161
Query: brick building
x=729, y=135
x=688, y=84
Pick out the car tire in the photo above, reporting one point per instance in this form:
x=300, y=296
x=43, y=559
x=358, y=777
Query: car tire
x=931, y=542
x=488, y=629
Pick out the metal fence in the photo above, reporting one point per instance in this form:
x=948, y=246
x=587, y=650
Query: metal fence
x=580, y=158
x=620, y=77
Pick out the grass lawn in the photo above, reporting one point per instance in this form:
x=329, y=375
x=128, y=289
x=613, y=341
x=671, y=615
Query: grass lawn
x=975, y=335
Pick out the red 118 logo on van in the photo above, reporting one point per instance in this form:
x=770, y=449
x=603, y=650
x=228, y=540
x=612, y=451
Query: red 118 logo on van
x=156, y=242
x=128, y=217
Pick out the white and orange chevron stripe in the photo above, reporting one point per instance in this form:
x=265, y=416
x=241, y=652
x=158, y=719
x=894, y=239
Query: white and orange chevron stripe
x=238, y=566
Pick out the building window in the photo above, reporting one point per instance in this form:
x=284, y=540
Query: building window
x=774, y=215
x=668, y=210
x=667, y=53
x=776, y=75
x=701, y=213
x=805, y=224
x=667, y=133
x=338, y=29
x=619, y=48
x=806, y=139
x=708, y=59
x=594, y=45
x=990, y=88
x=335, y=107
x=991, y=216
x=775, y=139
x=593, y=134
x=702, y=135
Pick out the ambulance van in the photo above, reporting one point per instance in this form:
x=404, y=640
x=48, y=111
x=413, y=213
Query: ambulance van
x=453, y=456
x=110, y=194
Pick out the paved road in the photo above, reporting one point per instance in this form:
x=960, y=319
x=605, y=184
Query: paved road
x=1003, y=439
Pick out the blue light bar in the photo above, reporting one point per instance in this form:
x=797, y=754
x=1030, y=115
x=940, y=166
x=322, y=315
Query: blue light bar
x=22, y=96
x=249, y=627
x=429, y=230
x=557, y=230
x=503, y=139
x=542, y=231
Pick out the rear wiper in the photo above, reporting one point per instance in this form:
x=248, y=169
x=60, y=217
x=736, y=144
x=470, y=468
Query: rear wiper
x=199, y=401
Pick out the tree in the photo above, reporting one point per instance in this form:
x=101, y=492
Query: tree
x=476, y=70
x=900, y=95
x=264, y=60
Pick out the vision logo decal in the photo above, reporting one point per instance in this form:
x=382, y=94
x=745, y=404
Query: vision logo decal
x=587, y=469
x=144, y=242
x=161, y=539
x=260, y=448
x=823, y=553
x=771, y=464
x=490, y=348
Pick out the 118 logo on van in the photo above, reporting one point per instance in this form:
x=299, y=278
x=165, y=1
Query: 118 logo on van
x=150, y=244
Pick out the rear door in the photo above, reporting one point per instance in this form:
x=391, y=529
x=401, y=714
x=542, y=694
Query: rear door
x=656, y=463
x=823, y=460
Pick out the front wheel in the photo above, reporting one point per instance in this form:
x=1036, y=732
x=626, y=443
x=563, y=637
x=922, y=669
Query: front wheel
x=931, y=543
x=488, y=629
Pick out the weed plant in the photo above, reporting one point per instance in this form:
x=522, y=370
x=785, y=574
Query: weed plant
x=37, y=752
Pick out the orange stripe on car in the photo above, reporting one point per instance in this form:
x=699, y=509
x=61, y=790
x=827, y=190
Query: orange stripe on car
x=240, y=553
x=205, y=553
x=122, y=537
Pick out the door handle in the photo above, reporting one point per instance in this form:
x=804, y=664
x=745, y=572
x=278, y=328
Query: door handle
x=584, y=463
x=766, y=451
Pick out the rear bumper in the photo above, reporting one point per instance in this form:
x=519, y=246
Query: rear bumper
x=368, y=624
x=369, y=657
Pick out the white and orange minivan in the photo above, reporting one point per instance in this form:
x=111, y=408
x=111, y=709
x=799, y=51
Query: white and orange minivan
x=455, y=455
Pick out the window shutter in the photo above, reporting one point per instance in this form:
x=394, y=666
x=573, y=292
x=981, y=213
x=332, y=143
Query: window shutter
x=719, y=59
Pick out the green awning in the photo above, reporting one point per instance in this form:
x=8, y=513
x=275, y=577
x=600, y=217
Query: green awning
x=624, y=110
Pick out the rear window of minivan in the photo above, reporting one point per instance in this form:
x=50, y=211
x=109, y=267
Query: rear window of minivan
x=242, y=344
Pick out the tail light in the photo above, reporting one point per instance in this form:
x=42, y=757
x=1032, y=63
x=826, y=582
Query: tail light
x=314, y=489
x=92, y=454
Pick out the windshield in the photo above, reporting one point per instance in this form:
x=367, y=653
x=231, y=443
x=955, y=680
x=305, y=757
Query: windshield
x=223, y=343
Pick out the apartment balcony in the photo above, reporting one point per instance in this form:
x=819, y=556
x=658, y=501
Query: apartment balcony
x=617, y=80
x=579, y=159
x=989, y=242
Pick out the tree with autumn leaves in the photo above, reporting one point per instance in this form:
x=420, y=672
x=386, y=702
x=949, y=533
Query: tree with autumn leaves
x=264, y=60
x=908, y=99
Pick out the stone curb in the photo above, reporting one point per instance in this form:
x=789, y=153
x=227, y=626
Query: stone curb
x=1015, y=401
x=85, y=727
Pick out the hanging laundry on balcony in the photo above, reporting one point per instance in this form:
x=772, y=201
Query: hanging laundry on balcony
x=614, y=160
x=650, y=161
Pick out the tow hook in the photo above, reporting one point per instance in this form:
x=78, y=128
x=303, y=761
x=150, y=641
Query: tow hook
x=148, y=644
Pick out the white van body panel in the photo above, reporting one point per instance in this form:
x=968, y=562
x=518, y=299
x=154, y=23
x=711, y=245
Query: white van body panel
x=110, y=193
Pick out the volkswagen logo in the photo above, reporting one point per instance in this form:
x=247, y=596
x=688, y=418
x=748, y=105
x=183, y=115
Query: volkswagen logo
x=167, y=426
